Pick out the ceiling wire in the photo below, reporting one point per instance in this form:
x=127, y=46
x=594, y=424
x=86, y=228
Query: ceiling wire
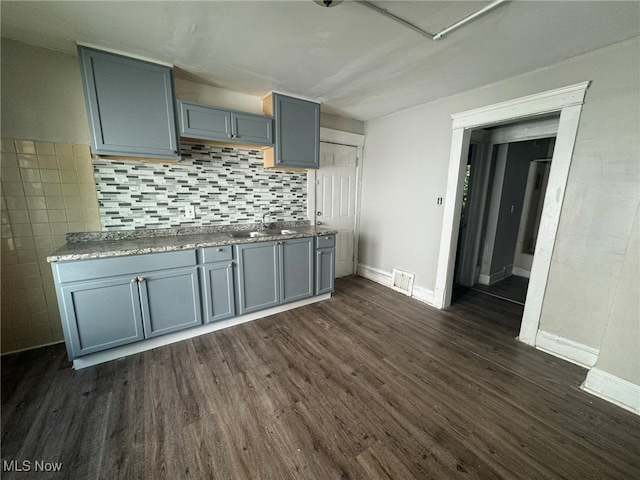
x=424, y=33
x=387, y=13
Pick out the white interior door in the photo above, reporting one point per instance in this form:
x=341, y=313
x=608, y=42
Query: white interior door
x=336, y=200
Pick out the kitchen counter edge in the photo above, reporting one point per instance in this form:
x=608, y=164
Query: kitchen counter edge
x=139, y=246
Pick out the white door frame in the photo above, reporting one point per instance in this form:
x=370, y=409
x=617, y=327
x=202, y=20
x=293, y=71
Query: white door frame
x=568, y=101
x=339, y=137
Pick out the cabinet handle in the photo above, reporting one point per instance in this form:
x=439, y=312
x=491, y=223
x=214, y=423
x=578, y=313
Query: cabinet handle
x=230, y=265
x=134, y=280
x=230, y=135
x=319, y=252
x=218, y=250
x=140, y=279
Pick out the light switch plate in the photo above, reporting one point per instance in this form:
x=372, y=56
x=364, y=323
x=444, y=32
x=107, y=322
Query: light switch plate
x=190, y=211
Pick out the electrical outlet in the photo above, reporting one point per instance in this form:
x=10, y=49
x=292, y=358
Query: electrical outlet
x=190, y=211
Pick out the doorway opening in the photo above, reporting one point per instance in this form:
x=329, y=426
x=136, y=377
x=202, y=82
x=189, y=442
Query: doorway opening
x=505, y=182
x=566, y=101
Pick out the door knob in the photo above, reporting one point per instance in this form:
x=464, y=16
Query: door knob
x=319, y=213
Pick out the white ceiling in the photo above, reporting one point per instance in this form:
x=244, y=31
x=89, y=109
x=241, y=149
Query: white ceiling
x=356, y=62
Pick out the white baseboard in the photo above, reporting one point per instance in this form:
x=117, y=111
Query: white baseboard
x=521, y=272
x=574, y=352
x=613, y=389
x=495, y=277
x=385, y=278
x=125, y=350
x=375, y=274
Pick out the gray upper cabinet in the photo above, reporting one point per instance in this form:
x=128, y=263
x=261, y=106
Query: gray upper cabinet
x=130, y=105
x=297, y=132
x=209, y=123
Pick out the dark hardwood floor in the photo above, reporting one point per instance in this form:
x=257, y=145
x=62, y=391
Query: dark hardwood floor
x=370, y=384
x=512, y=288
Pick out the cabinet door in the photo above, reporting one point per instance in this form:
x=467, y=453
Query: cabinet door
x=252, y=128
x=218, y=295
x=198, y=121
x=297, y=132
x=325, y=270
x=170, y=301
x=258, y=286
x=296, y=269
x=100, y=314
x=130, y=105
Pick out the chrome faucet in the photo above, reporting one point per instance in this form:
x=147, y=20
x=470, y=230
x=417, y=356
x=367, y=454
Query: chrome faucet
x=264, y=225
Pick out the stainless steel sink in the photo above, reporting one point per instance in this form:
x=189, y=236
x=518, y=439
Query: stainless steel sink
x=280, y=232
x=261, y=233
x=245, y=234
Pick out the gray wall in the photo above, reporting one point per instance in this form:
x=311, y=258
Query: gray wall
x=519, y=157
x=42, y=95
x=405, y=170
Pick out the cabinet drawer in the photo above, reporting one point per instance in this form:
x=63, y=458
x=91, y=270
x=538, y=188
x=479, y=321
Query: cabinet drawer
x=78, y=270
x=325, y=241
x=216, y=254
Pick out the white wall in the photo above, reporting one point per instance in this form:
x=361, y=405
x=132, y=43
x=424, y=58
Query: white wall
x=405, y=167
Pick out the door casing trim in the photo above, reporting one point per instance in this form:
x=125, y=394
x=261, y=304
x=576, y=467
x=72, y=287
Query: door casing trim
x=568, y=101
x=329, y=135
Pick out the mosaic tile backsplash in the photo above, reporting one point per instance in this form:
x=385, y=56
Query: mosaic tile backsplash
x=226, y=185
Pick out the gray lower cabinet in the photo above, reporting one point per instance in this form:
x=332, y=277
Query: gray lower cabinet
x=170, y=301
x=258, y=273
x=130, y=105
x=218, y=290
x=111, y=302
x=209, y=123
x=273, y=273
x=325, y=264
x=100, y=314
x=296, y=269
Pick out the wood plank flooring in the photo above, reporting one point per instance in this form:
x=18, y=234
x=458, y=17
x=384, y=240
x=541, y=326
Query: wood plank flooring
x=367, y=385
x=512, y=288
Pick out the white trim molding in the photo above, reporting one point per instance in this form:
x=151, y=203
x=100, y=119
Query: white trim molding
x=340, y=137
x=568, y=102
x=614, y=389
x=382, y=277
x=531, y=105
x=561, y=347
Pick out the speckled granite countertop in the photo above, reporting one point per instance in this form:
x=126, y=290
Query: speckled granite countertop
x=87, y=245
